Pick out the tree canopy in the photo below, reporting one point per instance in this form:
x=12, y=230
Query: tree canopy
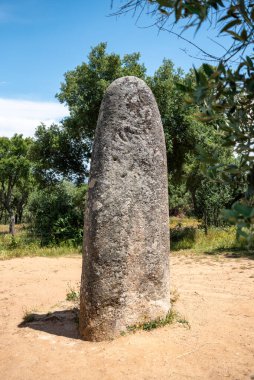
x=224, y=87
x=65, y=149
x=15, y=169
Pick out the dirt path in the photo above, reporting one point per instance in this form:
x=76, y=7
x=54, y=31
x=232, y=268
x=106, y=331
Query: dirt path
x=216, y=297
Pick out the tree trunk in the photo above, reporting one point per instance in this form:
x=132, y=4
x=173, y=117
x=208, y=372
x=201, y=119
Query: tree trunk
x=205, y=223
x=12, y=224
x=19, y=215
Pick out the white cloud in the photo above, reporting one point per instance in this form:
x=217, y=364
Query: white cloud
x=22, y=116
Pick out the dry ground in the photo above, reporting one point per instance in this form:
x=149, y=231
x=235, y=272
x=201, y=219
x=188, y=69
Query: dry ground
x=216, y=297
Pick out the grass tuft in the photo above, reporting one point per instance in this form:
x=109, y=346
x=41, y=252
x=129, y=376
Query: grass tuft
x=72, y=294
x=29, y=317
x=172, y=317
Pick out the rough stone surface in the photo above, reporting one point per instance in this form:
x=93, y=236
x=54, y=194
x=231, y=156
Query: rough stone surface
x=125, y=274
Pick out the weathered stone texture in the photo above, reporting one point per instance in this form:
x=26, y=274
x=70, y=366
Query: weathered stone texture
x=125, y=275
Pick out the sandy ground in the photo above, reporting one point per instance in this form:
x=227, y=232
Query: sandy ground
x=215, y=296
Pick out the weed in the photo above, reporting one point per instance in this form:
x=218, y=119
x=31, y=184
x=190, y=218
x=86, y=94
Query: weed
x=172, y=317
x=184, y=321
x=29, y=317
x=13, y=244
x=72, y=294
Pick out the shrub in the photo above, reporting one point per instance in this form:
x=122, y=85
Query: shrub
x=56, y=214
x=182, y=237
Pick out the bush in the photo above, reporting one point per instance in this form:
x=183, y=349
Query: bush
x=182, y=237
x=56, y=214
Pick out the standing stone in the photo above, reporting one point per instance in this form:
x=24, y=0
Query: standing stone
x=125, y=274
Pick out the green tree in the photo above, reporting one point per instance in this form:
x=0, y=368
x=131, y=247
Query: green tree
x=224, y=92
x=14, y=175
x=59, y=153
x=84, y=86
x=180, y=128
x=56, y=213
x=64, y=150
x=187, y=140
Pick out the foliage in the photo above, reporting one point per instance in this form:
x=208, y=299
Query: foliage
x=224, y=91
x=29, y=245
x=242, y=215
x=188, y=235
x=180, y=129
x=218, y=240
x=183, y=235
x=84, y=86
x=58, y=154
x=179, y=198
x=57, y=214
x=211, y=198
x=187, y=142
x=72, y=294
x=171, y=317
x=63, y=151
x=15, y=176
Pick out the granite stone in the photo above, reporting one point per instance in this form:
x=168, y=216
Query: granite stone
x=125, y=272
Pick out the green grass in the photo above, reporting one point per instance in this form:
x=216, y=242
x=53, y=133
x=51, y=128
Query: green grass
x=198, y=241
x=187, y=236
x=184, y=222
x=172, y=317
x=72, y=294
x=22, y=245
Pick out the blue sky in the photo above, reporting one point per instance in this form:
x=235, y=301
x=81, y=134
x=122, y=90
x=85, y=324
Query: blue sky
x=42, y=39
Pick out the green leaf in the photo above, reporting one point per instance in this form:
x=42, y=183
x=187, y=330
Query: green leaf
x=230, y=24
x=249, y=61
x=250, y=85
x=208, y=69
x=244, y=35
x=242, y=233
x=164, y=3
x=252, y=14
x=235, y=35
x=182, y=87
x=243, y=209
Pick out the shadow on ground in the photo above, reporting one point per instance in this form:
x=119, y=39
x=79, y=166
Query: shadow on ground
x=231, y=253
x=61, y=323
